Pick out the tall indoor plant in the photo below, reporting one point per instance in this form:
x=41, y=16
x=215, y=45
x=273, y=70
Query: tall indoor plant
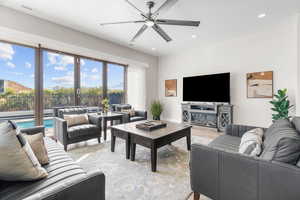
x=156, y=109
x=281, y=105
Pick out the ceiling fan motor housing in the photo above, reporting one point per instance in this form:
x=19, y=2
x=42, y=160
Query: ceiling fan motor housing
x=150, y=4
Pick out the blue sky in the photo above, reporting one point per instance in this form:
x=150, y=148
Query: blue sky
x=17, y=64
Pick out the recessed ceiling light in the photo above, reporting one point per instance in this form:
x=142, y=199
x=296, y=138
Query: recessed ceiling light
x=194, y=36
x=26, y=7
x=153, y=49
x=262, y=15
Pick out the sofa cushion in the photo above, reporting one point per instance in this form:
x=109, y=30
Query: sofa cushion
x=76, y=119
x=71, y=111
x=83, y=130
x=136, y=118
x=282, y=143
x=18, y=162
x=251, y=142
x=61, y=170
x=37, y=144
x=296, y=123
x=226, y=143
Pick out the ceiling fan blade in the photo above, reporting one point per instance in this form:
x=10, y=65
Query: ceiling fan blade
x=132, y=5
x=162, y=33
x=139, y=33
x=165, y=6
x=177, y=22
x=125, y=22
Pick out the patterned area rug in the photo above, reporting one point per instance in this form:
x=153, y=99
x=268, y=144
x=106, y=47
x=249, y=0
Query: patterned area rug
x=134, y=180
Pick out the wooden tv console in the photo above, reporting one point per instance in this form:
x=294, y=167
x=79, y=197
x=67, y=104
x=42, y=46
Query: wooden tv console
x=214, y=115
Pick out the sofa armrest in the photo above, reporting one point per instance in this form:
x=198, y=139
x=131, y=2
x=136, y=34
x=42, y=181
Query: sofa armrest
x=95, y=119
x=34, y=130
x=61, y=130
x=279, y=181
x=216, y=173
x=237, y=130
x=91, y=186
x=141, y=114
x=204, y=170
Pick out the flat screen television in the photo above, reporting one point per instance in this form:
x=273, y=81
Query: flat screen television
x=207, y=88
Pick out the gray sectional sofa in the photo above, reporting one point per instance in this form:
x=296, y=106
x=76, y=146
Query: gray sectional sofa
x=66, y=180
x=221, y=173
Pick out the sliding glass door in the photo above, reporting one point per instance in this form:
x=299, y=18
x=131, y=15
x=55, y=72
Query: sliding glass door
x=17, y=64
x=91, y=88
x=58, y=80
x=116, y=83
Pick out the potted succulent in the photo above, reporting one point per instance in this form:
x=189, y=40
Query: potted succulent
x=105, y=105
x=281, y=105
x=156, y=109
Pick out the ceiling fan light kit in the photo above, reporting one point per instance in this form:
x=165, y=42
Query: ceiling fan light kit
x=150, y=20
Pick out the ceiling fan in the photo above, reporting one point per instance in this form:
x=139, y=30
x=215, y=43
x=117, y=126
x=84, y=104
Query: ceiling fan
x=150, y=19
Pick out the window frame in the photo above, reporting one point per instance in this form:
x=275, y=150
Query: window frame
x=39, y=76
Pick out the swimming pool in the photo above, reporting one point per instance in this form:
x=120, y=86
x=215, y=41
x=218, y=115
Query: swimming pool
x=48, y=123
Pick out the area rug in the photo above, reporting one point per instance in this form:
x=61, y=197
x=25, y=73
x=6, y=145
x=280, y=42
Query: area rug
x=134, y=180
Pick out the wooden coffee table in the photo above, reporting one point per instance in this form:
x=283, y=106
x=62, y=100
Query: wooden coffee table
x=150, y=139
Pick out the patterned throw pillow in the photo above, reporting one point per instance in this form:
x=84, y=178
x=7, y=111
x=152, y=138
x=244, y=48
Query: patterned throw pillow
x=77, y=119
x=18, y=162
x=37, y=144
x=251, y=142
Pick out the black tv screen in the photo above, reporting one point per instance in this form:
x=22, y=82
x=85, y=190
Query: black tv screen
x=207, y=88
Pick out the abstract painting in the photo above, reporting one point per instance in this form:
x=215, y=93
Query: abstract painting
x=171, y=88
x=260, y=85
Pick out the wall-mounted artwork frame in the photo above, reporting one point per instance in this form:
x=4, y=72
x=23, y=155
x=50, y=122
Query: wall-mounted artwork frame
x=171, y=88
x=260, y=85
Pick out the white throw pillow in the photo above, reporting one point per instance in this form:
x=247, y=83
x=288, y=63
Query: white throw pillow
x=77, y=119
x=251, y=142
x=18, y=162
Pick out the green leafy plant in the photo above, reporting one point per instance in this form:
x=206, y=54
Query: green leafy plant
x=105, y=105
x=156, y=109
x=281, y=105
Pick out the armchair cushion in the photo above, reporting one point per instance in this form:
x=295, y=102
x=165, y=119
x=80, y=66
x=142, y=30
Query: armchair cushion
x=83, y=130
x=71, y=111
x=136, y=118
x=76, y=119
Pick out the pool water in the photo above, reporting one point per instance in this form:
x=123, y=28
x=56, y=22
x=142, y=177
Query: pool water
x=48, y=123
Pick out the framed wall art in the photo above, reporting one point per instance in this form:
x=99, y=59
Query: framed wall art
x=260, y=85
x=171, y=88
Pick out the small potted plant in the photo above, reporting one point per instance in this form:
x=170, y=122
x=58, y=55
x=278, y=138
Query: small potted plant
x=281, y=105
x=156, y=109
x=105, y=105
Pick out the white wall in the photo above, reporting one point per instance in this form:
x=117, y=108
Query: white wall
x=23, y=28
x=274, y=48
x=137, y=87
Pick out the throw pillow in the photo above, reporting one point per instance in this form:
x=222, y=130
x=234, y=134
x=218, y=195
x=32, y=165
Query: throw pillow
x=251, y=142
x=18, y=162
x=78, y=119
x=131, y=112
x=37, y=144
x=282, y=143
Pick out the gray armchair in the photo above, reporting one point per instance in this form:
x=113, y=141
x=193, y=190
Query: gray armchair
x=221, y=173
x=138, y=114
x=73, y=134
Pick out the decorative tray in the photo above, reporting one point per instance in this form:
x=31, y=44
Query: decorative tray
x=151, y=125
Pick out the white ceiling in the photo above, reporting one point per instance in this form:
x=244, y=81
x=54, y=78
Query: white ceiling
x=220, y=19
